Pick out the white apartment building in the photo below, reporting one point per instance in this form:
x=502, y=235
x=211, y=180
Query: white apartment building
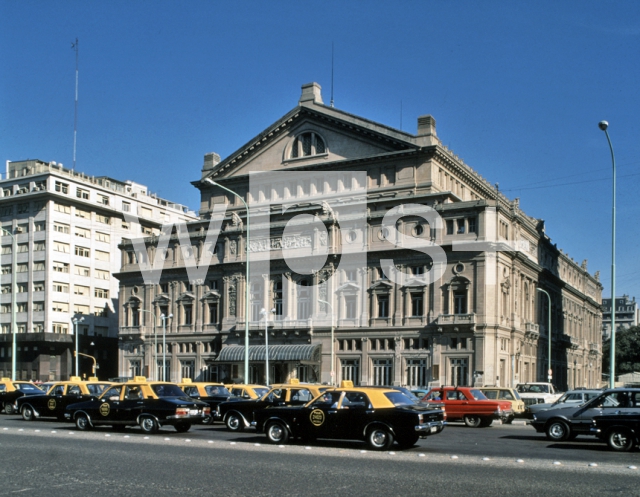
x=59, y=248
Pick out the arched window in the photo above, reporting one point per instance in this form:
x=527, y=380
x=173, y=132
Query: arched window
x=306, y=145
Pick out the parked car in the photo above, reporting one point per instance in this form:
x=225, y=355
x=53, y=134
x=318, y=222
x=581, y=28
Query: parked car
x=469, y=405
x=11, y=390
x=59, y=395
x=237, y=413
x=567, y=421
x=247, y=391
x=620, y=431
x=575, y=397
x=537, y=393
x=508, y=394
x=211, y=393
x=148, y=404
x=378, y=416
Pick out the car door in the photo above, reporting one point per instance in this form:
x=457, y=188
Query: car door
x=53, y=401
x=357, y=413
x=608, y=403
x=131, y=404
x=105, y=409
x=323, y=418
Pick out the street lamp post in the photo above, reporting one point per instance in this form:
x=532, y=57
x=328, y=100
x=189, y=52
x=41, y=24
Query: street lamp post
x=549, y=373
x=155, y=338
x=266, y=339
x=164, y=345
x=246, y=283
x=93, y=368
x=333, y=375
x=14, y=292
x=75, y=322
x=603, y=125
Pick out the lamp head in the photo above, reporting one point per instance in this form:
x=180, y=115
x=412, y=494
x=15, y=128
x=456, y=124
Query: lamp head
x=603, y=125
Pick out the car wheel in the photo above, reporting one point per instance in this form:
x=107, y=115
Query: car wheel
x=558, y=431
x=149, y=425
x=379, y=438
x=208, y=420
x=28, y=414
x=82, y=423
x=182, y=427
x=408, y=441
x=234, y=422
x=8, y=408
x=619, y=439
x=277, y=433
x=509, y=420
x=472, y=421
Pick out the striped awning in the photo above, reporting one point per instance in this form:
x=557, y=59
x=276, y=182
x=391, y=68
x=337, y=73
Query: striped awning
x=305, y=354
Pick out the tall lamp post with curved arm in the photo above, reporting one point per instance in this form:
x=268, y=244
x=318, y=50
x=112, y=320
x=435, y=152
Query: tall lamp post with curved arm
x=549, y=373
x=75, y=322
x=14, y=291
x=603, y=125
x=246, y=283
x=333, y=361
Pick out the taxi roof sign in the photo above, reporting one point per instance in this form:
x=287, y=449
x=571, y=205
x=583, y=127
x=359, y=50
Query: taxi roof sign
x=294, y=381
x=346, y=384
x=75, y=378
x=186, y=380
x=139, y=378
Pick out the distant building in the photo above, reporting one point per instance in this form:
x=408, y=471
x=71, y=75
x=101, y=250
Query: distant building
x=66, y=227
x=481, y=321
x=627, y=314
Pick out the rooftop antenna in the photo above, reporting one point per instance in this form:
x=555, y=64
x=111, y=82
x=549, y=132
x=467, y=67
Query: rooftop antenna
x=75, y=113
x=331, y=74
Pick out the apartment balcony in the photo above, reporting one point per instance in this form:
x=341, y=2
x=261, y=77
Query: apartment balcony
x=455, y=322
x=532, y=331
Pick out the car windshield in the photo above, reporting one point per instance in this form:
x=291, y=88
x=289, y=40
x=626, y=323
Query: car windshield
x=27, y=387
x=399, y=399
x=478, y=395
x=96, y=388
x=163, y=390
x=533, y=388
x=212, y=390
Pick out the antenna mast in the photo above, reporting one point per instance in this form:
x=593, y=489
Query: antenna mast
x=75, y=114
x=331, y=74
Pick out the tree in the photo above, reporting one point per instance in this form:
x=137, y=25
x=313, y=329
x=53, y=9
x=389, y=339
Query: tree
x=627, y=351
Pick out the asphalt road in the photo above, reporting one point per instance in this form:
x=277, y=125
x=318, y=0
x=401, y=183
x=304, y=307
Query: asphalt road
x=52, y=458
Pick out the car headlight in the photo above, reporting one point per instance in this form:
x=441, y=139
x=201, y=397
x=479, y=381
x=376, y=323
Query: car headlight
x=534, y=417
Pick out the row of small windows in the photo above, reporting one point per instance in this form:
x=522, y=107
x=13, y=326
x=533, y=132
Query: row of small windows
x=55, y=307
x=306, y=145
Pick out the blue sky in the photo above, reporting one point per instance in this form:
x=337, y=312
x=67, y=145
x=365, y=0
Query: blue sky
x=517, y=90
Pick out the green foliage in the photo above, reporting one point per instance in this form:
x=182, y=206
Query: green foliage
x=627, y=351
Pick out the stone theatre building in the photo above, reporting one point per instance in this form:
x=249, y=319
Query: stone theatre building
x=464, y=309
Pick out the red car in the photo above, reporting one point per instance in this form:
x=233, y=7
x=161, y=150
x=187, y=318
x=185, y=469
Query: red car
x=469, y=405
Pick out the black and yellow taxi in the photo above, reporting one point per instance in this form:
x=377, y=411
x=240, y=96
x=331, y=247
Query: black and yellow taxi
x=211, y=393
x=237, y=413
x=378, y=416
x=53, y=402
x=11, y=390
x=148, y=404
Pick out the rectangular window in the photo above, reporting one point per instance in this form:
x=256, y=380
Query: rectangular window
x=213, y=313
x=61, y=247
x=83, y=194
x=38, y=306
x=383, y=306
x=62, y=187
x=60, y=287
x=82, y=251
x=23, y=287
x=103, y=199
x=382, y=371
x=82, y=232
x=22, y=268
x=472, y=225
x=102, y=312
x=61, y=328
x=126, y=207
x=23, y=208
x=101, y=293
x=81, y=271
x=82, y=213
x=39, y=246
x=80, y=309
x=60, y=307
x=6, y=249
x=449, y=226
x=21, y=307
x=39, y=226
x=102, y=256
x=5, y=308
x=65, y=209
x=22, y=228
x=61, y=228
x=417, y=308
x=60, y=267
x=5, y=289
x=102, y=275
x=38, y=266
x=417, y=270
x=351, y=305
x=6, y=270
x=460, y=223
x=81, y=290
x=102, y=237
x=103, y=219
x=145, y=212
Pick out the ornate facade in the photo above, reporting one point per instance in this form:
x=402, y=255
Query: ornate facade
x=444, y=289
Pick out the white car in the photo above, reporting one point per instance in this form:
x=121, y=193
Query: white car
x=575, y=397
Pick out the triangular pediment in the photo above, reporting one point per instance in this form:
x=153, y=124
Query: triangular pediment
x=415, y=282
x=381, y=285
x=308, y=137
x=211, y=296
x=348, y=287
